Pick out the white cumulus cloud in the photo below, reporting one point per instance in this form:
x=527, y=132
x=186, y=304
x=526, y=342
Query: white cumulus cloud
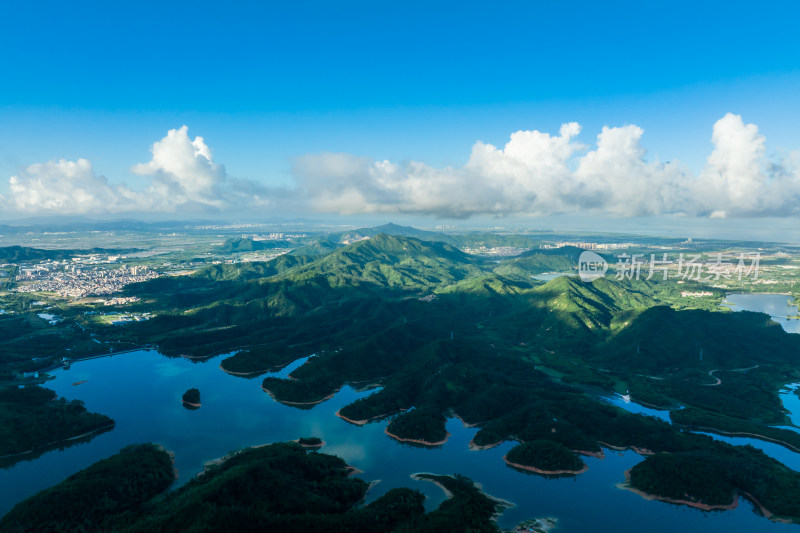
x=66, y=187
x=534, y=173
x=183, y=178
x=739, y=180
x=537, y=173
x=514, y=179
x=616, y=178
x=183, y=173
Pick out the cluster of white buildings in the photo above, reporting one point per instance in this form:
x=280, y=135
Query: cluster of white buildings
x=274, y=236
x=698, y=294
x=499, y=251
x=350, y=239
x=589, y=245
x=119, y=320
x=120, y=300
x=77, y=280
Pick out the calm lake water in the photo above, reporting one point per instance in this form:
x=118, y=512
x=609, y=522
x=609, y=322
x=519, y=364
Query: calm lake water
x=142, y=392
x=778, y=306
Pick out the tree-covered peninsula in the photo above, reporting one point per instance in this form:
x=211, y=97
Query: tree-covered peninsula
x=33, y=420
x=107, y=496
x=545, y=457
x=277, y=487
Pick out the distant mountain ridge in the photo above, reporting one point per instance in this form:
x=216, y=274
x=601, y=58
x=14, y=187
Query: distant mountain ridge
x=249, y=245
x=24, y=253
x=459, y=240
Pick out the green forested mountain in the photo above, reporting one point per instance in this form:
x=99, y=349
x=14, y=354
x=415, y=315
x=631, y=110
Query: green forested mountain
x=592, y=304
x=442, y=331
x=392, y=262
x=249, y=245
x=316, y=249
x=649, y=342
x=15, y=254
x=104, y=497
x=277, y=487
x=571, y=253
x=396, y=230
x=249, y=270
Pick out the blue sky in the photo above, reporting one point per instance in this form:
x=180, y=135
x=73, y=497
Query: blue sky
x=269, y=83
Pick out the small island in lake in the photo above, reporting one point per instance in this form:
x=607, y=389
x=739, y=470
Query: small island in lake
x=191, y=399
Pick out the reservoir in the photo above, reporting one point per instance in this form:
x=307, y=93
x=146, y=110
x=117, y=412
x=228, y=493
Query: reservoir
x=778, y=306
x=142, y=392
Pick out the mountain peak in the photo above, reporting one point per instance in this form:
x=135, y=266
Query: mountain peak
x=393, y=260
x=391, y=226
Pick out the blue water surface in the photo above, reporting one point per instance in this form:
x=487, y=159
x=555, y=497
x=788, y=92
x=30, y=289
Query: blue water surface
x=142, y=392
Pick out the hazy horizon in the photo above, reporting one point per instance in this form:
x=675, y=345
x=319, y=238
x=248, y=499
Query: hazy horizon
x=526, y=116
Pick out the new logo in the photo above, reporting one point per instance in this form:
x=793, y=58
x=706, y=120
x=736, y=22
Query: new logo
x=591, y=266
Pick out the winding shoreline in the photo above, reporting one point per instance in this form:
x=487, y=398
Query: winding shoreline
x=500, y=504
x=244, y=374
x=67, y=439
x=286, y=402
x=418, y=477
x=596, y=455
x=740, y=434
x=480, y=447
x=696, y=504
x=466, y=424
x=207, y=465
x=764, y=510
x=171, y=454
x=418, y=441
x=640, y=451
x=357, y=422
x=546, y=472
x=353, y=471
x=195, y=357
x=364, y=421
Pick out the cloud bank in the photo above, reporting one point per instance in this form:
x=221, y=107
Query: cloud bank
x=65, y=187
x=183, y=178
x=535, y=173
